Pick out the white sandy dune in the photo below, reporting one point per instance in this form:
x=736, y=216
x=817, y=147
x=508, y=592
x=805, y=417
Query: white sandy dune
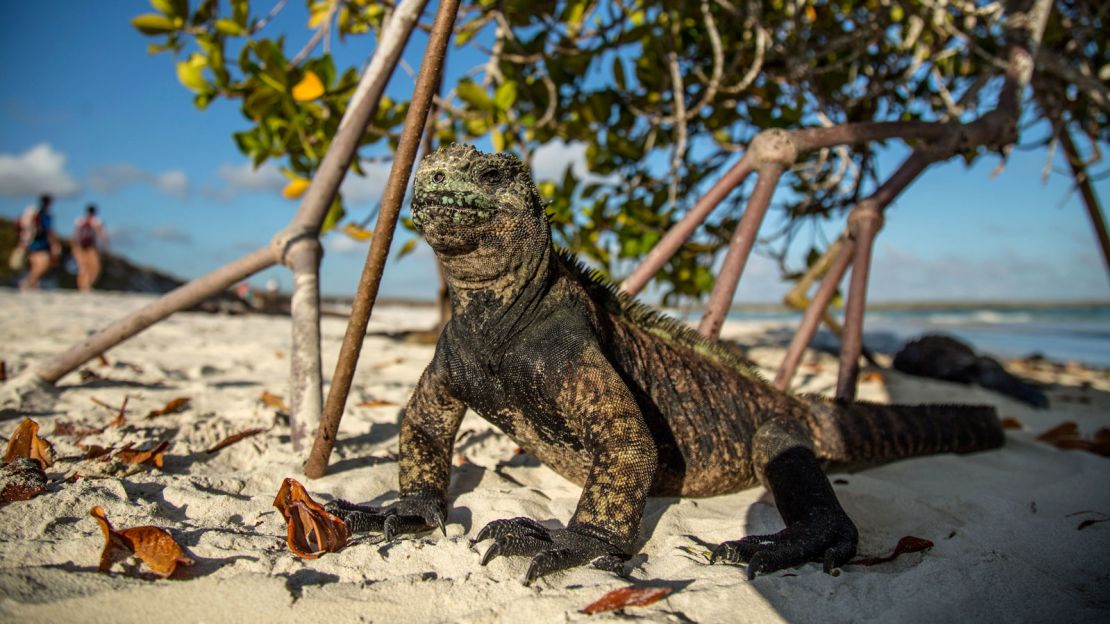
x=1004, y=523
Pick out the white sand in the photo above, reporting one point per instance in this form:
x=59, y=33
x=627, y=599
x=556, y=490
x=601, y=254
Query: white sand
x=1004, y=522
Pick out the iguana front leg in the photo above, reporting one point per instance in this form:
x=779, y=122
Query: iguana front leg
x=602, y=412
x=817, y=528
x=429, y=424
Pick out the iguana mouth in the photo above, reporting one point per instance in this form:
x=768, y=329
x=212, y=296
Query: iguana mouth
x=463, y=209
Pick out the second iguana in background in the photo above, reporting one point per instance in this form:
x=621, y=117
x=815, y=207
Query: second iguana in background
x=617, y=398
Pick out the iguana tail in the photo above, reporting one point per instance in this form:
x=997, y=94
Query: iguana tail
x=861, y=432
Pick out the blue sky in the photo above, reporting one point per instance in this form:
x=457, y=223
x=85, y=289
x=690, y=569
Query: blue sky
x=85, y=108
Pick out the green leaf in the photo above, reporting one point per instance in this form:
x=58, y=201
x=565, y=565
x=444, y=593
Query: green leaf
x=407, y=248
x=230, y=27
x=474, y=95
x=335, y=213
x=505, y=95
x=618, y=73
x=497, y=139
x=153, y=24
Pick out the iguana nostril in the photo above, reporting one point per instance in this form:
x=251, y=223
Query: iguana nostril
x=438, y=178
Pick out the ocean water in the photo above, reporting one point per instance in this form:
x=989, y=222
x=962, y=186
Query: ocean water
x=1065, y=333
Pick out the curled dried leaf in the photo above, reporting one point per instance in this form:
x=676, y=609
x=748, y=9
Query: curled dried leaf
x=174, y=406
x=872, y=377
x=233, y=438
x=1010, y=422
x=311, y=531
x=151, y=457
x=630, y=596
x=21, y=479
x=275, y=401
x=25, y=442
x=908, y=544
x=1066, y=436
x=154, y=546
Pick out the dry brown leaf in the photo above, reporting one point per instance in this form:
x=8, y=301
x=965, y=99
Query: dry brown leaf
x=872, y=377
x=119, y=420
x=71, y=429
x=273, y=400
x=311, y=531
x=154, y=546
x=3, y=370
x=1061, y=431
x=376, y=403
x=233, y=438
x=1010, y=422
x=103, y=360
x=175, y=405
x=908, y=544
x=21, y=479
x=25, y=442
x=630, y=596
x=151, y=457
x=94, y=451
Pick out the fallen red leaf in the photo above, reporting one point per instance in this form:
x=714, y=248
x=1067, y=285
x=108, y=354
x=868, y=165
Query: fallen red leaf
x=154, y=546
x=908, y=544
x=630, y=596
x=1010, y=422
x=311, y=531
x=150, y=457
x=25, y=442
x=1066, y=436
x=273, y=400
x=872, y=377
x=175, y=405
x=375, y=403
x=95, y=450
x=233, y=438
x=21, y=479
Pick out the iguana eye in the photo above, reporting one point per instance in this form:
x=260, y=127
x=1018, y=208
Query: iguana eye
x=438, y=177
x=491, y=177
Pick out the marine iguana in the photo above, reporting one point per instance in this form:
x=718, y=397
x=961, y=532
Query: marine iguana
x=615, y=397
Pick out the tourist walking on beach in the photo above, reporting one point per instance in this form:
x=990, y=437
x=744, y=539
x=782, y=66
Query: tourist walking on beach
x=37, y=238
x=88, y=237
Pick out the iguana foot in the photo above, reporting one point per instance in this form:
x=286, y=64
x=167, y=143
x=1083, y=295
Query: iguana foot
x=551, y=550
x=408, y=515
x=828, y=536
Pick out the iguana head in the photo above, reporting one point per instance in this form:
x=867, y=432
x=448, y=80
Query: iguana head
x=481, y=213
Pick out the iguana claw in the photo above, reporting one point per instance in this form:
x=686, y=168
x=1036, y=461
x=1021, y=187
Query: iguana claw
x=408, y=515
x=829, y=538
x=551, y=549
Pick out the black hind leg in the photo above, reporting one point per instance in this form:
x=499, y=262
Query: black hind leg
x=817, y=528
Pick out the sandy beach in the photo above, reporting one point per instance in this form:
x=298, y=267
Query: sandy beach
x=1005, y=524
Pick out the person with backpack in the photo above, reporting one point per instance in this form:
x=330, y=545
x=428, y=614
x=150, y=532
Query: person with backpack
x=88, y=237
x=37, y=238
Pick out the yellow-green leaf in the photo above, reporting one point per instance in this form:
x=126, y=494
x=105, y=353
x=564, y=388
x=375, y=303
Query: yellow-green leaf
x=153, y=24
x=191, y=72
x=309, y=88
x=318, y=12
x=474, y=95
x=505, y=95
x=407, y=248
x=230, y=27
x=498, y=140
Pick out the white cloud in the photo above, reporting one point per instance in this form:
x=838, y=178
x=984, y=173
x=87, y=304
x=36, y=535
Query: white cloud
x=550, y=162
x=38, y=170
x=246, y=178
x=337, y=242
x=113, y=178
x=368, y=188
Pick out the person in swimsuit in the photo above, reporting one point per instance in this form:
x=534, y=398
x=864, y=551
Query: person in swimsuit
x=42, y=245
x=88, y=237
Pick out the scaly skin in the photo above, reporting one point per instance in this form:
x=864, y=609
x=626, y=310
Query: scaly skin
x=612, y=396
